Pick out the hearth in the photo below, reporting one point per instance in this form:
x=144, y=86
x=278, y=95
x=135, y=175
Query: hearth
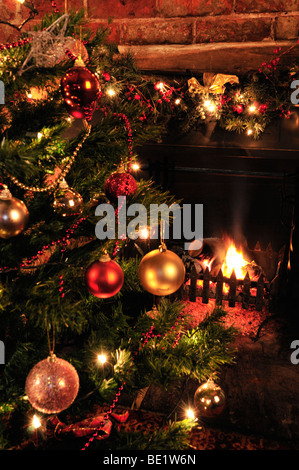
x=223, y=272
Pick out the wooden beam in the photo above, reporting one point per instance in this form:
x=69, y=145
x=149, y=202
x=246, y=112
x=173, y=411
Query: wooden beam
x=230, y=58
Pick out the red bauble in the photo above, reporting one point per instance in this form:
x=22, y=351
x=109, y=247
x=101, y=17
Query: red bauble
x=80, y=89
x=104, y=278
x=120, y=183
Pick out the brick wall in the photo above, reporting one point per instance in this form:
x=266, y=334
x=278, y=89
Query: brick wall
x=179, y=35
x=144, y=22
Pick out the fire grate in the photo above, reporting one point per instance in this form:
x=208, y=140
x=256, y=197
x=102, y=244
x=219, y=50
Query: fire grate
x=220, y=288
x=259, y=287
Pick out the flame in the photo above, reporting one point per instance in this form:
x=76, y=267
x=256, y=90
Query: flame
x=206, y=263
x=234, y=261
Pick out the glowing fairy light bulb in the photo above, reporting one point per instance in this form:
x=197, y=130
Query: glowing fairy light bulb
x=159, y=86
x=252, y=108
x=102, y=358
x=111, y=92
x=190, y=414
x=36, y=422
x=210, y=106
x=249, y=132
x=135, y=166
x=144, y=233
x=177, y=101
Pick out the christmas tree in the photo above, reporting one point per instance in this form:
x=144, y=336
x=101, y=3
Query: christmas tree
x=72, y=304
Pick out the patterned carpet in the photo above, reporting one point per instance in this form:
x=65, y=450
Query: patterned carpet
x=201, y=437
x=205, y=438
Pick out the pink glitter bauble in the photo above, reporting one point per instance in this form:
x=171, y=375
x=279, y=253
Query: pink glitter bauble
x=52, y=385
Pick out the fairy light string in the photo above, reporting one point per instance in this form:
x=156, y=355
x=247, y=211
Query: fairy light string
x=144, y=339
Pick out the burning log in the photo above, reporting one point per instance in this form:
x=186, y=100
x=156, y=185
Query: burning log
x=211, y=254
x=216, y=254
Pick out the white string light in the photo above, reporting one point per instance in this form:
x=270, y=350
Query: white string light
x=102, y=358
x=135, y=166
x=111, y=92
x=190, y=414
x=36, y=422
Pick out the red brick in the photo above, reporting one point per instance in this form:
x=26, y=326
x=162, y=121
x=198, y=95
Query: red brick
x=287, y=27
x=121, y=8
x=8, y=34
x=45, y=8
x=173, y=8
x=147, y=31
x=157, y=31
x=213, y=7
x=232, y=29
x=260, y=6
x=8, y=10
x=113, y=28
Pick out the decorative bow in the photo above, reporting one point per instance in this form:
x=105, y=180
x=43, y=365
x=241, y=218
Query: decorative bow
x=85, y=427
x=212, y=83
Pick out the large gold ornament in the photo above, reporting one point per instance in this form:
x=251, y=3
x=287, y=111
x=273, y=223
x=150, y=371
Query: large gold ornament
x=161, y=272
x=13, y=215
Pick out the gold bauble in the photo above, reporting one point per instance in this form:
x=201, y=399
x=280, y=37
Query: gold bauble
x=209, y=401
x=67, y=201
x=13, y=215
x=161, y=272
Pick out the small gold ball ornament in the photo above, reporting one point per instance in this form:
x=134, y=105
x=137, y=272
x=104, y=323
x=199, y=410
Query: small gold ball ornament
x=14, y=215
x=161, y=272
x=209, y=401
x=67, y=201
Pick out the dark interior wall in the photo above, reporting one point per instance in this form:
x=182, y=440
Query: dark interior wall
x=245, y=186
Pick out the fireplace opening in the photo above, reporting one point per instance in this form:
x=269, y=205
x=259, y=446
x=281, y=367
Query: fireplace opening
x=248, y=191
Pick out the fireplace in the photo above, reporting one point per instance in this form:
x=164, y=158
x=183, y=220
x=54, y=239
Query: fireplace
x=223, y=272
x=247, y=189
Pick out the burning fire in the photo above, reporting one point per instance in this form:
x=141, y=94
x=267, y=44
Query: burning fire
x=234, y=261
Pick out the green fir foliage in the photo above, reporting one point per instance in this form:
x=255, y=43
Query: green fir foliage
x=33, y=314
